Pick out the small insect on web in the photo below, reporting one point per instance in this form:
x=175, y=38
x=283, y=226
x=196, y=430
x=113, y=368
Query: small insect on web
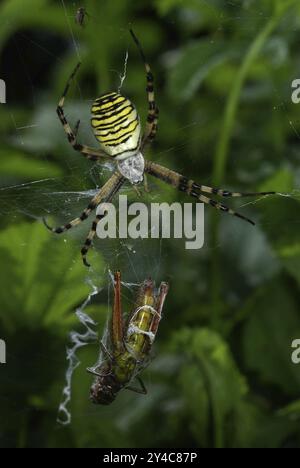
x=81, y=16
x=128, y=343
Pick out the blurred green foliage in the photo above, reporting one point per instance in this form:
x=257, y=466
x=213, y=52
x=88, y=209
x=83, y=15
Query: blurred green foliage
x=222, y=376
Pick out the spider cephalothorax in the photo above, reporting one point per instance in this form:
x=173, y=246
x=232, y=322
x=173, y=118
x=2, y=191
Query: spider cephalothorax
x=117, y=128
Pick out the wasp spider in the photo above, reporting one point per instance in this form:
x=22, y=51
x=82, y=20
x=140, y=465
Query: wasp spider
x=117, y=128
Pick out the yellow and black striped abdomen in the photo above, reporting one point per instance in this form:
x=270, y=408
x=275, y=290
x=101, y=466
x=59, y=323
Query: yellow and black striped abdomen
x=116, y=125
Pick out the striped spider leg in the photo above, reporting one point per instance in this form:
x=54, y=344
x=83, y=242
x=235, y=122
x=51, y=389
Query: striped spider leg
x=153, y=111
x=105, y=194
x=90, y=153
x=171, y=177
x=151, y=126
x=195, y=190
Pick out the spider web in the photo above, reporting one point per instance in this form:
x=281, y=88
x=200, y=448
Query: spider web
x=47, y=196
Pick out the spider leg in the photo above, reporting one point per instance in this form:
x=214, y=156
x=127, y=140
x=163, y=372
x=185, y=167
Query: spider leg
x=146, y=185
x=191, y=188
x=191, y=185
x=89, y=240
x=106, y=193
x=86, y=151
x=142, y=389
x=152, y=118
x=76, y=128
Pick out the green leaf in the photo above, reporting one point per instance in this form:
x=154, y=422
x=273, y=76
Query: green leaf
x=49, y=133
x=42, y=278
x=17, y=165
x=14, y=16
x=283, y=229
x=281, y=181
x=273, y=324
x=292, y=410
x=210, y=382
x=166, y=6
x=194, y=64
x=273, y=431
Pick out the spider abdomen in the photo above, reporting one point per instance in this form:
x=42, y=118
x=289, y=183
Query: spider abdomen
x=116, y=125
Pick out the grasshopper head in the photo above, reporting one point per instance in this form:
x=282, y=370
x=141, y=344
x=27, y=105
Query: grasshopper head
x=104, y=390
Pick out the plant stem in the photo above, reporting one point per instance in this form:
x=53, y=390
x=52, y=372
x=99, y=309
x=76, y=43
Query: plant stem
x=223, y=146
x=233, y=100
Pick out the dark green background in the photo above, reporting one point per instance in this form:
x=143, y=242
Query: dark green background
x=222, y=376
